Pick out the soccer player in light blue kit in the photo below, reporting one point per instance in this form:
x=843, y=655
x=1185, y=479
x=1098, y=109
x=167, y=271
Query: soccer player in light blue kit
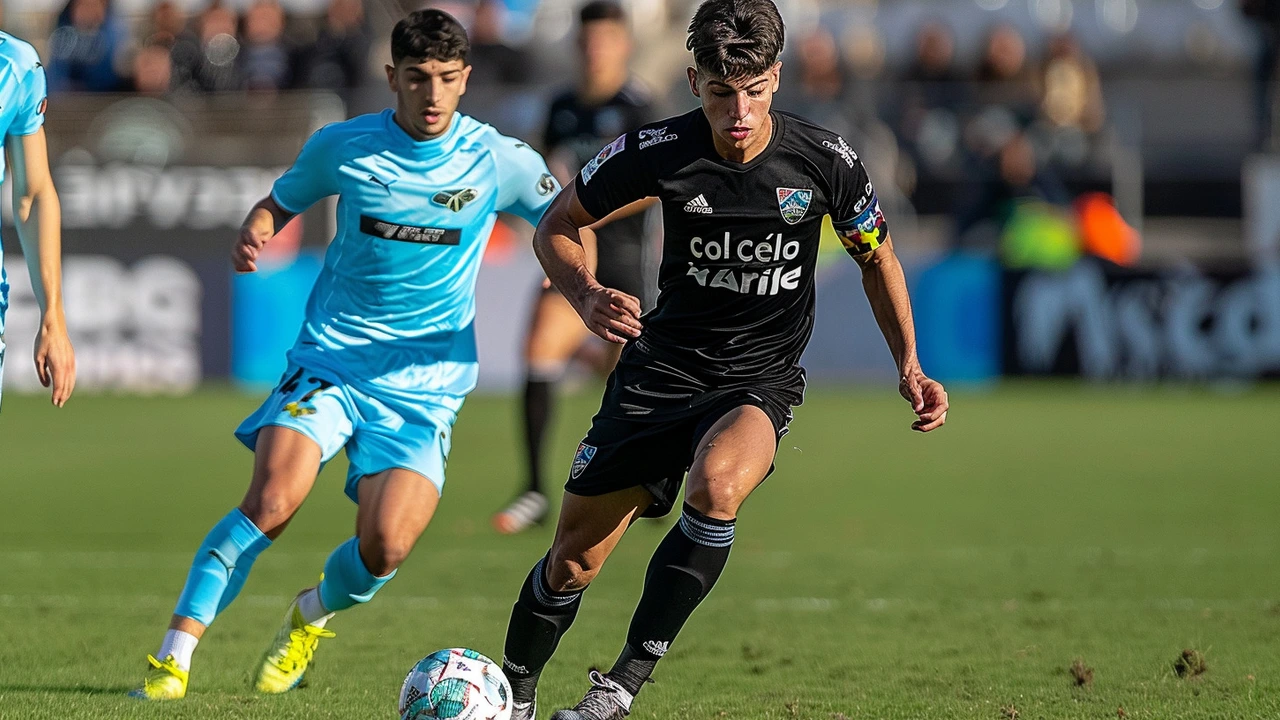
x=386, y=354
x=37, y=213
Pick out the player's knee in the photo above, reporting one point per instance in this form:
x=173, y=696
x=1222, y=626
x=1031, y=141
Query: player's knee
x=718, y=489
x=566, y=573
x=268, y=511
x=383, y=553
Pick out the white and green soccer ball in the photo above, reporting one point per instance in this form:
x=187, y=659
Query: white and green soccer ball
x=455, y=684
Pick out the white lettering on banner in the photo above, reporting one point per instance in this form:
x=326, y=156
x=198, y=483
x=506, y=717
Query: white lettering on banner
x=119, y=195
x=1142, y=329
x=134, y=328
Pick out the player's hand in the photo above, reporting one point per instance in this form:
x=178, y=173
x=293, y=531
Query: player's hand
x=928, y=400
x=55, y=360
x=611, y=314
x=244, y=255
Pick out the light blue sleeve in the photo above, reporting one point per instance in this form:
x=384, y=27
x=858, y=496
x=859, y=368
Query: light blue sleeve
x=313, y=175
x=32, y=95
x=526, y=187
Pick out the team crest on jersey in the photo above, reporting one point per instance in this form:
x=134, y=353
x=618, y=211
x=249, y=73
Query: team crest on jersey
x=582, y=459
x=613, y=148
x=794, y=203
x=546, y=184
x=455, y=200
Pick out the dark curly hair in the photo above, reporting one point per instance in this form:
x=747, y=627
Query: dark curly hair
x=429, y=35
x=736, y=39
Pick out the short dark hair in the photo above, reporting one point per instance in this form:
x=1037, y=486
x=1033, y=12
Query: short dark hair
x=602, y=10
x=431, y=35
x=736, y=39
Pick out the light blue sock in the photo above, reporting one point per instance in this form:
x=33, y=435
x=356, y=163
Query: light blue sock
x=220, y=567
x=347, y=581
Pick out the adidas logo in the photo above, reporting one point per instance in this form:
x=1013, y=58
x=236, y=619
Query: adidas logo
x=698, y=205
x=655, y=647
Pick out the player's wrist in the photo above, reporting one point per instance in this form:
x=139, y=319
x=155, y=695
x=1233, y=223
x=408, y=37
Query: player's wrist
x=909, y=368
x=53, y=319
x=587, y=285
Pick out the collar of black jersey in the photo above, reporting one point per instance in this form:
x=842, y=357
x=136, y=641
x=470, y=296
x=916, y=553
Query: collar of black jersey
x=704, y=127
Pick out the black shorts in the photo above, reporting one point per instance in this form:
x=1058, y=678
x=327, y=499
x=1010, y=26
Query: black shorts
x=624, y=450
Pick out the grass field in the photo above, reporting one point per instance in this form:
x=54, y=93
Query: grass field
x=878, y=574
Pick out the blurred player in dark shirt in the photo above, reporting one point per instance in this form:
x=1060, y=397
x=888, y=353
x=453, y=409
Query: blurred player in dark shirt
x=606, y=103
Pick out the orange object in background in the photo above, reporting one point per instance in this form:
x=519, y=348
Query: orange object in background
x=1104, y=233
x=503, y=241
x=284, y=246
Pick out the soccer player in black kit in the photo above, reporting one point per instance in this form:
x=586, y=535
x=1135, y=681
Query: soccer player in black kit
x=707, y=379
x=606, y=103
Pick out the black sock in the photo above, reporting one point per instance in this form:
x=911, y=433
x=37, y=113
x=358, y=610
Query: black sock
x=538, y=621
x=537, y=416
x=681, y=574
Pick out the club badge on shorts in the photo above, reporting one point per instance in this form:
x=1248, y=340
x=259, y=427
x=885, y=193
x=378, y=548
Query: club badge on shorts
x=794, y=203
x=582, y=459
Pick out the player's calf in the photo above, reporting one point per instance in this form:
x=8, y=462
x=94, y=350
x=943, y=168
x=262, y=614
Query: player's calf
x=540, y=618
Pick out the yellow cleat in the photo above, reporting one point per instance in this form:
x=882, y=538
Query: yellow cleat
x=284, y=665
x=164, y=681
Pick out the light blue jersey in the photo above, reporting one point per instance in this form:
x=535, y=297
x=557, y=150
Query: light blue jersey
x=387, y=351
x=22, y=103
x=22, y=91
x=393, y=306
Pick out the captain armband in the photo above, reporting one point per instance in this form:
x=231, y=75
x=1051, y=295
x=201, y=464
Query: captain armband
x=864, y=233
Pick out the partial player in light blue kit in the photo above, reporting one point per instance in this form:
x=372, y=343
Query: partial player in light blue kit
x=386, y=354
x=36, y=210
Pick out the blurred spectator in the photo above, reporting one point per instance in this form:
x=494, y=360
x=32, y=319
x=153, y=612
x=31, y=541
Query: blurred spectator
x=1071, y=105
x=1071, y=92
x=86, y=47
x=1004, y=77
x=337, y=59
x=1265, y=15
x=927, y=121
x=1006, y=183
x=493, y=62
x=817, y=89
x=205, y=60
x=264, y=59
x=166, y=23
x=152, y=69
x=935, y=56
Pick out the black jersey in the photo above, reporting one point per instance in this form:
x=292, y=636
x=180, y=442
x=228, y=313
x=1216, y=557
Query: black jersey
x=735, y=306
x=580, y=129
x=576, y=130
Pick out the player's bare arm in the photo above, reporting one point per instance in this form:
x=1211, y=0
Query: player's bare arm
x=611, y=314
x=886, y=289
x=38, y=218
x=259, y=226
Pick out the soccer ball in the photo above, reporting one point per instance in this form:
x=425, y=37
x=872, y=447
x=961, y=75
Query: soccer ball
x=455, y=684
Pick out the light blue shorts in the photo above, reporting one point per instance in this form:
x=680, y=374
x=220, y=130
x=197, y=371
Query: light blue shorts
x=378, y=435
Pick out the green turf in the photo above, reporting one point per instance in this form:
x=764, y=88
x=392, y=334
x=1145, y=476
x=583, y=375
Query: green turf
x=878, y=574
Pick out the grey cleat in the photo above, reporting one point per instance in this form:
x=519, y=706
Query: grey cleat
x=606, y=700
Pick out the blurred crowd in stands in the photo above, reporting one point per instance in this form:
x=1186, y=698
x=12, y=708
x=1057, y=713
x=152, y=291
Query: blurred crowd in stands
x=992, y=138
x=91, y=49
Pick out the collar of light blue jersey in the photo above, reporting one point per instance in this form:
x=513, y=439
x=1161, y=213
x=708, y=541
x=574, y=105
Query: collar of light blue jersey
x=433, y=146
